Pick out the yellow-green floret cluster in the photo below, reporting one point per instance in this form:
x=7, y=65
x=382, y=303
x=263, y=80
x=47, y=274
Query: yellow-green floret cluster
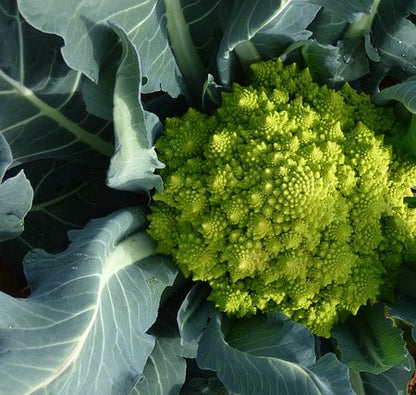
x=287, y=198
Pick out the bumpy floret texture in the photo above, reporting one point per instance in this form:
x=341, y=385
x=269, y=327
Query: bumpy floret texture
x=288, y=198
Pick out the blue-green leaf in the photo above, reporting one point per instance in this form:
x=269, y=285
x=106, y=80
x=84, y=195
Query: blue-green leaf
x=290, y=26
x=394, y=36
x=134, y=162
x=348, y=10
x=211, y=94
x=88, y=38
x=285, y=367
x=332, y=64
x=205, y=19
x=392, y=381
x=83, y=329
x=16, y=196
x=370, y=343
x=193, y=316
x=42, y=114
x=61, y=187
x=405, y=310
x=165, y=370
x=276, y=22
x=327, y=27
x=404, y=93
x=273, y=336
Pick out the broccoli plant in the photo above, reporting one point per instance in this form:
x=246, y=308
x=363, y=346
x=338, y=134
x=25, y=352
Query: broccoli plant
x=289, y=197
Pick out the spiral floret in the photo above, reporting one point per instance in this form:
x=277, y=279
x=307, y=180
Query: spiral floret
x=287, y=198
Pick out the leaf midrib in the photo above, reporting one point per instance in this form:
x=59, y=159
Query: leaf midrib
x=54, y=114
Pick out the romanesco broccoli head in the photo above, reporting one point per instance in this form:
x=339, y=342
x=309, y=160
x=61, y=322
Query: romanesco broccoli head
x=286, y=198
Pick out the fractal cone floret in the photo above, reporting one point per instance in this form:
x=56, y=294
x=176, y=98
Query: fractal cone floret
x=287, y=198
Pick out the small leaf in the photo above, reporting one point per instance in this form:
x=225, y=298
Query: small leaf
x=370, y=50
x=345, y=61
x=370, y=343
x=327, y=27
x=211, y=94
x=405, y=309
x=289, y=26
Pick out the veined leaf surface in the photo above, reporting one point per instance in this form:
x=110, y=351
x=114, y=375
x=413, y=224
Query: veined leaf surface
x=42, y=113
x=15, y=196
x=260, y=364
x=83, y=329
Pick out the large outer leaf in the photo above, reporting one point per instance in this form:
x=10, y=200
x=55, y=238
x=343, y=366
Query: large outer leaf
x=15, y=196
x=42, y=114
x=83, y=329
x=88, y=39
x=260, y=367
x=205, y=21
x=134, y=162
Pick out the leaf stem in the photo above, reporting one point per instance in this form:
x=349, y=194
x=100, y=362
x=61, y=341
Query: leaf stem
x=184, y=50
x=80, y=133
x=247, y=54
x=363, y=25
x=356, y=382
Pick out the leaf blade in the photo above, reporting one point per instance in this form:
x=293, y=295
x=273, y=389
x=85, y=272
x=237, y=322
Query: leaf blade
x=88, y=38
x=370, y=343
x=42, y=113
x=90, y=293
x=242, y=372
x=16, y=195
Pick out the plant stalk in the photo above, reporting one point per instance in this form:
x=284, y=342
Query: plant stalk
x=184, y=50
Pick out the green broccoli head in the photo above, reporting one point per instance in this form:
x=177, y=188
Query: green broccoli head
x=286, y=198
